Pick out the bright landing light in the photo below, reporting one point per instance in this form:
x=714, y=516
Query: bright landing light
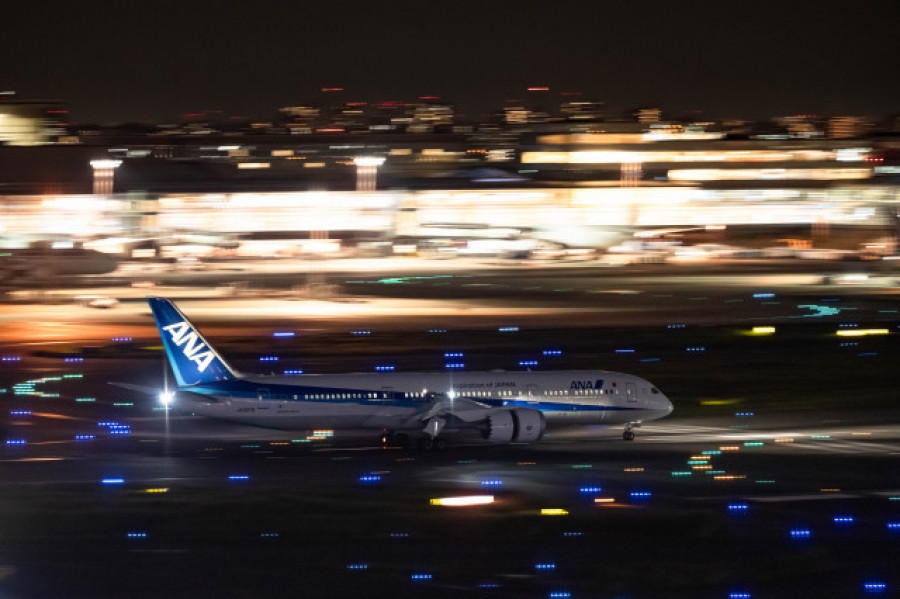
x=166, y=398
x=463, y=501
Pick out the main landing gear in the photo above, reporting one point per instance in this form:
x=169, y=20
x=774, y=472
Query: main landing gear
x=405, y=441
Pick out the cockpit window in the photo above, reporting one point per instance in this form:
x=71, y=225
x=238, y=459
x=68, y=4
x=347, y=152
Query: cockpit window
x=654, y=390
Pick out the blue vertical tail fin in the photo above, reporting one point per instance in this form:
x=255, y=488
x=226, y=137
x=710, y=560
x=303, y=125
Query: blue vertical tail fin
x=192, y=358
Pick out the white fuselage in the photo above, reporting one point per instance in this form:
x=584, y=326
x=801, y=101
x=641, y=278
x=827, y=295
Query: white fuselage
x=395, y=401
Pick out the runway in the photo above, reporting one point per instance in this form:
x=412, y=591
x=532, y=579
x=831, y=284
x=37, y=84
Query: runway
x=776, y=476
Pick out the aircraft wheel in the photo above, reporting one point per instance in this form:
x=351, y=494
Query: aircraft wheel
x=628, y=436
x=426, y=443
x=440, y=444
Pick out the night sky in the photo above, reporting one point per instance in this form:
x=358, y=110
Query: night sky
x=132, y=60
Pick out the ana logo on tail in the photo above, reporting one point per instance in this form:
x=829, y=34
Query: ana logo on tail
x=183, y=335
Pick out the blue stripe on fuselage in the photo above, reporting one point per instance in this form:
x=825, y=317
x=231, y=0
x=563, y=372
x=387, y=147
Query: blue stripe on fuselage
x=242, y=389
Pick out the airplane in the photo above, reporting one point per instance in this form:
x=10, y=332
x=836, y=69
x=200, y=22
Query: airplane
x=408, y=409
x=42, y=264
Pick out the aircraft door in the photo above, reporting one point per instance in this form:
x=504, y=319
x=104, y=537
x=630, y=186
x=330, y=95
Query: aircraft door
x=630, y=392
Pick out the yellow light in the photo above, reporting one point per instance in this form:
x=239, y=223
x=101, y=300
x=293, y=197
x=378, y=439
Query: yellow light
x=604, y=500
x=862, y=332
x=785, y=440
x=702, y=467
x=718, y=402
x=634, y=469
x=830, y=490
x=729, y=476
x=157, y=490
x=553, y=511
x=700, y=457
x=463, y=501
x=763, y=330
x=729, y=448
x=246, y=165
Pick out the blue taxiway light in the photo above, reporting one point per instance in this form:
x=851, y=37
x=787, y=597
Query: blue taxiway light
x=492, y=482
x=800, y=533
x=113, y=481
x=239, y=477
x=874, y=587
x=370, y=478
x=420, y=577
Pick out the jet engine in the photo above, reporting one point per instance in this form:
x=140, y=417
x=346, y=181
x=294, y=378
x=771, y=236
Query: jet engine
x=518, y=425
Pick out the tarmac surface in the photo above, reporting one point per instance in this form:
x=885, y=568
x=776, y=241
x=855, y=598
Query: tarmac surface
x=776, y=476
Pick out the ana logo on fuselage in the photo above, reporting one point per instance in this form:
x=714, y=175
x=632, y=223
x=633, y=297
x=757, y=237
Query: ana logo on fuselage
x=581, y=385
x=182, y=335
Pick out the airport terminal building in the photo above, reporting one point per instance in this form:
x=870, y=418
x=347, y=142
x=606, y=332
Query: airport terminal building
x=269, y=193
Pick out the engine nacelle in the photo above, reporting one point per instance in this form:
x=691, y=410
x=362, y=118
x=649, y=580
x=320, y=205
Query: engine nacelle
x=518, y=425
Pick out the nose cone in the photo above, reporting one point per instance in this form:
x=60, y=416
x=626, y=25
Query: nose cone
x=661, y=406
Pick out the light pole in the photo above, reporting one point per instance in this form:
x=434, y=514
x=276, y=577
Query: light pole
x=367, y=172
x=103, y=176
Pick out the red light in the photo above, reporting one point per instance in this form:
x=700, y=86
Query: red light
x=357, y=103
x=538, y=89
x=57, y=112
x=429, y=97
x=332, y=89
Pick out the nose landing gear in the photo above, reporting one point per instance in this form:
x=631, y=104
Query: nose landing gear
x=628, y=434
